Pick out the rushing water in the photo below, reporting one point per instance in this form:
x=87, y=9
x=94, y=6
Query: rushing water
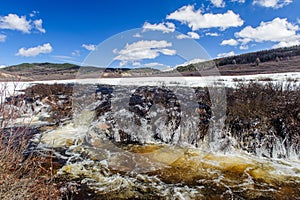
x=148, y=148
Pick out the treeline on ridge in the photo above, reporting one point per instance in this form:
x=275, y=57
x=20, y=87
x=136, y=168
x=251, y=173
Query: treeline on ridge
x=263, y=56
x=254, y=58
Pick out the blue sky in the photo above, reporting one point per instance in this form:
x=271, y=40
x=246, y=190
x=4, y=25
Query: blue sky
x=67, y=31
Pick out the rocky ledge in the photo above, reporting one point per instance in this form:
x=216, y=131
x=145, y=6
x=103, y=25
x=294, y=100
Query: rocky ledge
x=261, y=119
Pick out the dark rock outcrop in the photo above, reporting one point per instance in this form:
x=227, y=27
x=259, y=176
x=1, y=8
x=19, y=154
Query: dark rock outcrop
x=262, y=119
x=145, y=98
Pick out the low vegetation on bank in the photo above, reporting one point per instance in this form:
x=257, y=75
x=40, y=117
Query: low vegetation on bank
x=22, y=175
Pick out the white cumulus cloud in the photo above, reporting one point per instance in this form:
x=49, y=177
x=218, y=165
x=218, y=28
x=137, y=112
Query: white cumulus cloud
x=278, y=30
x=14, y=22
x=75, y=53
x=218, y=3
x=137, y=35
x=190, y=35
x=182, y=36
x=39, y=25
x=2, y=38
x=221, y=55
x=196, y=20
x=34, y=13
x=272, y=3
x=212, y=34
x=136, y=64
x=155, y=64
x=193, y=35
x=144, y=49
x=164, y=27
x=90, y=47
x=34, y=51
x=20, y=23
x=287, y=43
x=221, y=3
x=230, y=42
x=240, y=1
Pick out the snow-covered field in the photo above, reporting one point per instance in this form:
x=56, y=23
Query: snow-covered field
x=223, y=81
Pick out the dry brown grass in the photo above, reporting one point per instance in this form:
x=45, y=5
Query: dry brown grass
x=258, y=115
x=257, y=101
x=20, y=177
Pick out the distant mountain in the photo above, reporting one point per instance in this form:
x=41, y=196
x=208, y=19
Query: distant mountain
x=41, y=66
x=268, y=61
x=55, y=71
x=42, y=71
x=278, y=54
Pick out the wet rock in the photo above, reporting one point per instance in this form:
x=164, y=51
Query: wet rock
x=204, y=111
x=50, y=103
x=259, y=124
x=144, y=99
x=103, y=126
x=103, y=95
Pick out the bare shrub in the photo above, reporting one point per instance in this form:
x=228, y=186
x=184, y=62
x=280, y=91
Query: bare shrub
x=21, y=177
x=260, y=114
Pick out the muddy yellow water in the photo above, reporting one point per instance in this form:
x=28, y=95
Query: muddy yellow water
x=169, y=172
x=161, y=171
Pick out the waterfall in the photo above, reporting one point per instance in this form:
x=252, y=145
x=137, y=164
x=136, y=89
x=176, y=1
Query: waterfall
x=129, y=141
